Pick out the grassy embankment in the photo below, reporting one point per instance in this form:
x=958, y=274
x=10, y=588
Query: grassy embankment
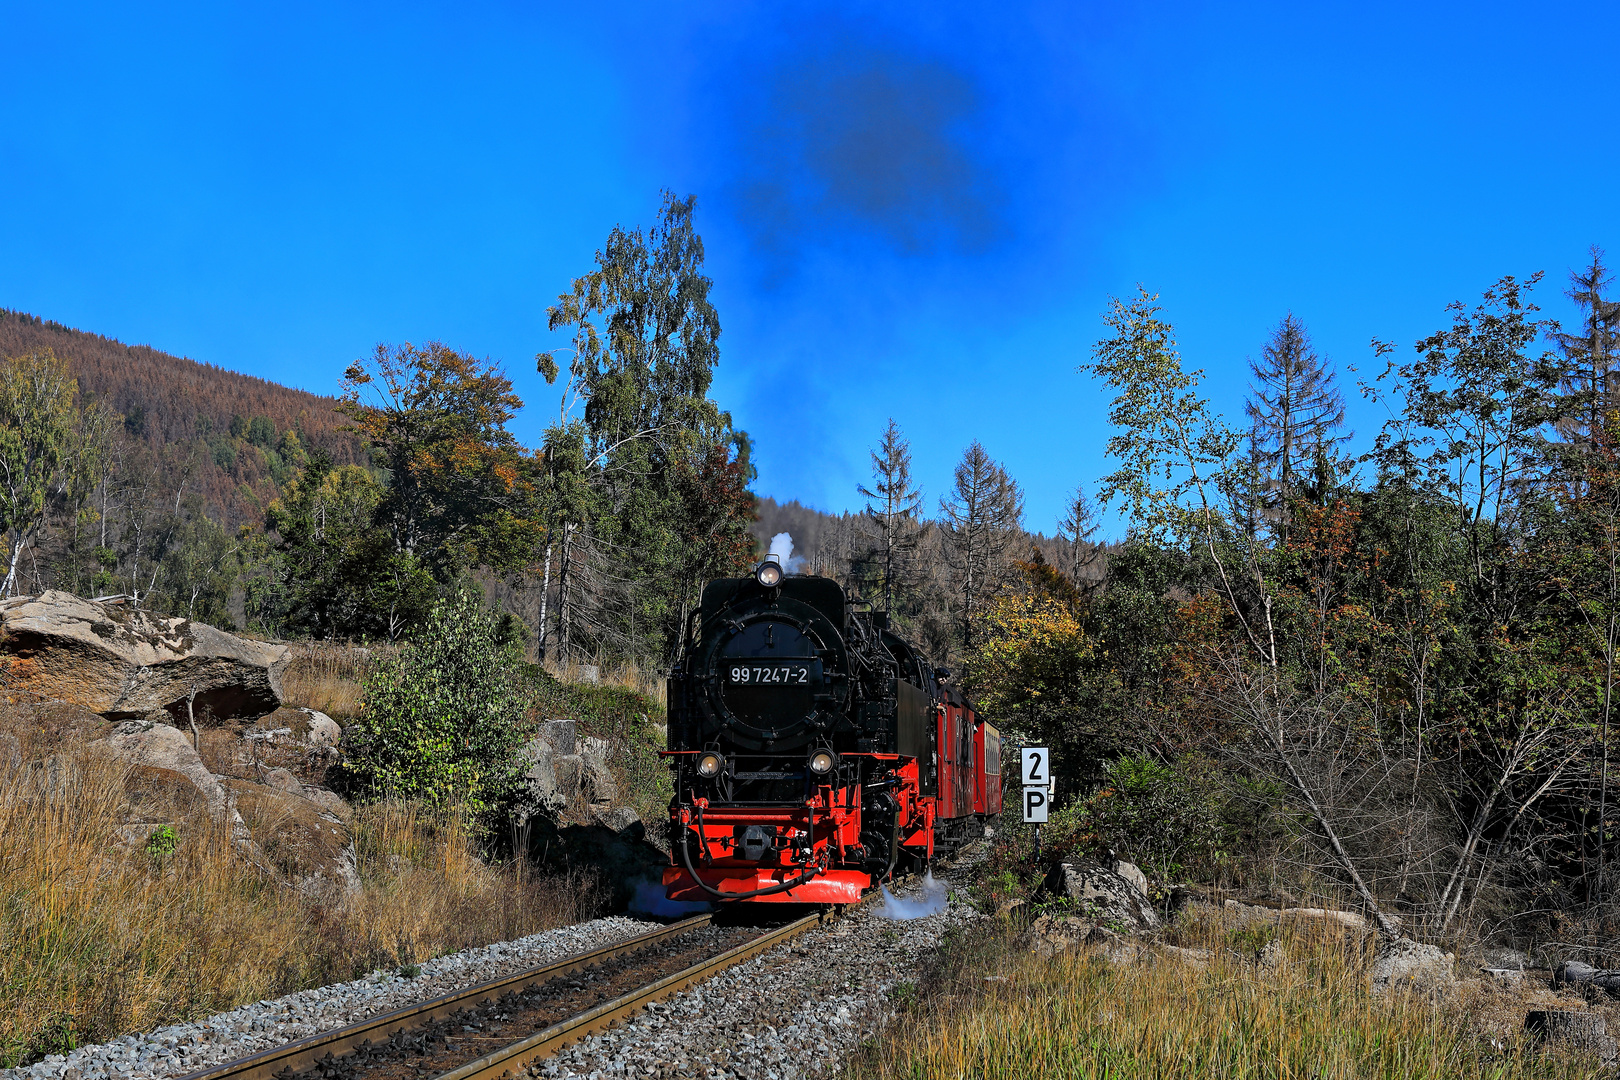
x=992, y=1010
x=100, y=937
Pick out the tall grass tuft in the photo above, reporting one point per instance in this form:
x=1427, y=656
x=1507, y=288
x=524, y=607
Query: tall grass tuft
x=106, y=930
x=994, y=1011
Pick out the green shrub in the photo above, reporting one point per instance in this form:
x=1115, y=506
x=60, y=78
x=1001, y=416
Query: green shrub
x=162, y=842
x=1165, y=818
x=444, y=717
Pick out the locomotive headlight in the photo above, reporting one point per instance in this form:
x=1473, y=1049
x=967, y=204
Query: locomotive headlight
x=710, y=764
x=769, y=573
x=822, y=762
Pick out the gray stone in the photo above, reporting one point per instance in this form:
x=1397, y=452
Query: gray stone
x=569, y=769
x=1103, y=895
x=164, y=760
x=620, y=819
x=1402, y=962
x=596, y=781
x=298, y=840
x=323, y=731
x=558, y=734
x=543, y=793
x=590, y=746
x=1575, y=973
x=1579, y=1030
x=125, y=663
x=1132, y=874
x=158, y=746
x=282, y=780
x=331, y=802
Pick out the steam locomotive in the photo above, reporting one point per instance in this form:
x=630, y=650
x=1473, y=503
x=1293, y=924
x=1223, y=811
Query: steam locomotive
x=815, y=752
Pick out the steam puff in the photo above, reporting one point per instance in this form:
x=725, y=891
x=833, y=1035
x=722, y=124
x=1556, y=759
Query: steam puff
x=932, y=901
x=650, y=900
x=782, y=548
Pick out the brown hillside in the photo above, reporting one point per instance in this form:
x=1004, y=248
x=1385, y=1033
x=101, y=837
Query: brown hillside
x=186, y=408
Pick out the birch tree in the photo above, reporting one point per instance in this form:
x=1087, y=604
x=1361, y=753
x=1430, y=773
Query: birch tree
x=37, y=425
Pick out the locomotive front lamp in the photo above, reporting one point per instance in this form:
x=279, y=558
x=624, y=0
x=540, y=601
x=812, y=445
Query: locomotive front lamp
x=769, y=573
x=822, y=762
x=710, y=764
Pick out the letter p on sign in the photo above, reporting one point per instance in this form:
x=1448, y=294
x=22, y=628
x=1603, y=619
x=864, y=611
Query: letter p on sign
x=1034, y=806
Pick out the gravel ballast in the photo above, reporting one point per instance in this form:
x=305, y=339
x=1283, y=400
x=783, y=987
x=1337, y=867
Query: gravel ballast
x=183, y=1048
x=797, y=1010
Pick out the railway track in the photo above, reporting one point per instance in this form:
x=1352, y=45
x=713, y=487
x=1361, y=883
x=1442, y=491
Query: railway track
x=486, y=1031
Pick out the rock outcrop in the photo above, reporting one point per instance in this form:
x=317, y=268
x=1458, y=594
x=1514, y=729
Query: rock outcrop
x=542, y=793
x=1104, y=894
x=125, y=664
x=1576, y=1030
x=1575, y=973
x=162, y=758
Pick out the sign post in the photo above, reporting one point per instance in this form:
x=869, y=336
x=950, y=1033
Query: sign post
x=1037, y=773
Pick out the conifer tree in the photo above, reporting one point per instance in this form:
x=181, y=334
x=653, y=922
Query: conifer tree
x=892, y=504
x=1076, y=528
x=1295, y=412
x=982, y=517
x=1591, y=357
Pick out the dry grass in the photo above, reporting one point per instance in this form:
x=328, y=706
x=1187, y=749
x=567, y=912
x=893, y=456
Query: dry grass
x=627, y=674
x=100, y=936
x=994, y=1010
x=328, y=676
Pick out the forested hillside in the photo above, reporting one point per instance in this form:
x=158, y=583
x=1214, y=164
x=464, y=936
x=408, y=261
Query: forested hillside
x=203, y=428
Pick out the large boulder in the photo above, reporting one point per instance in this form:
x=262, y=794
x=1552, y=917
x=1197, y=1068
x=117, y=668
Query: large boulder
x=558, y=734
x=124, y=663
x=304, y=727
x=303, y=841
x=1575, y=973
x=167, y=778
x=1400, y=962
x=585, y=778
x=160, y=748
x=1102, y=894
x=541, y=792
x=1577, y=1030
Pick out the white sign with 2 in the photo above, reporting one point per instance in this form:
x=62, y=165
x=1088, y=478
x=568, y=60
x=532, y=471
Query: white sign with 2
x=1037, y=766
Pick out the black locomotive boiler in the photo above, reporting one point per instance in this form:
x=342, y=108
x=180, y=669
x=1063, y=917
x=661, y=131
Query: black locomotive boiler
x=815, y=751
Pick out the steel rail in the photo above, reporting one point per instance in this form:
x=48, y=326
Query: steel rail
x=511, y=1058
x=300, y=1055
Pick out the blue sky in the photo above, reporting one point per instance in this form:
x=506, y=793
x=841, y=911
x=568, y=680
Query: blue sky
x=915, y=211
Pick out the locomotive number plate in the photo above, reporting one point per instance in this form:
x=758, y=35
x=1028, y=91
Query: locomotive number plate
x=775, y=674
